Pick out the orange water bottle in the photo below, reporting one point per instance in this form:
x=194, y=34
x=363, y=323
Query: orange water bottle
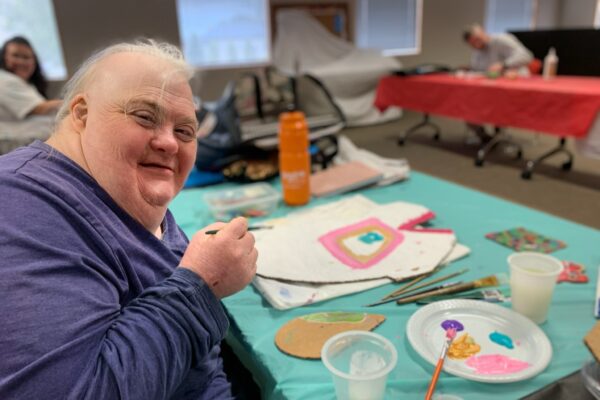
x=294, y=159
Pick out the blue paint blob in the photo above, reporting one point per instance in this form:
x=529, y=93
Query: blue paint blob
x=370, y=237
x=502, y=340
x=452, y=323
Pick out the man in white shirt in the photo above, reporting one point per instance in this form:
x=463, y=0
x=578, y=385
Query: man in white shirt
x=496, y=53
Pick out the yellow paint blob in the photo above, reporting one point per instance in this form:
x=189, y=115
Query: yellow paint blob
x=463, y=347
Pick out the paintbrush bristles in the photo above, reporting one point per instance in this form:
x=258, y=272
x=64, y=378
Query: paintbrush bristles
x=461, y=287
x=491, y=280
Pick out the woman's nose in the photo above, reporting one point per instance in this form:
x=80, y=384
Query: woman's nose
x=165, y=140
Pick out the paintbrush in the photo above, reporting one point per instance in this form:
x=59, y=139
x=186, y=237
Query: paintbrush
x=492, y=280
x=250, y=228
x=403, y=295
x=450, y=335
x=489, y=295
x=407, y=286
x=405, y=289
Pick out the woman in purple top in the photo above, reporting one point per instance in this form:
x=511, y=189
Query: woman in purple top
x=102, y=296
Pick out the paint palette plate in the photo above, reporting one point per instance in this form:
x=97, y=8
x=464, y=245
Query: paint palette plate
x=493, y=363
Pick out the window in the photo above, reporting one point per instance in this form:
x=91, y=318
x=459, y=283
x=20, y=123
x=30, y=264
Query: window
x=224, y=33
x=509, y=15
x=392, y=26
x=34, y=20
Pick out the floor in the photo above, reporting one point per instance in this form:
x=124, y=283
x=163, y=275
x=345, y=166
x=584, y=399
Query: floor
x=573, y=195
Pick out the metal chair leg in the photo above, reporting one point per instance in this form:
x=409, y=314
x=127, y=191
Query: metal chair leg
x=531, y=164
x=500, y=137
x=425, y=122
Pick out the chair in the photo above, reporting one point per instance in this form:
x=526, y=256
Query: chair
x=306, y=93
x=233, y=136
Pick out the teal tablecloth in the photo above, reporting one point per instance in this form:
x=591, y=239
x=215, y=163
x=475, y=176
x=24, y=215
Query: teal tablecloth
x=471, y=214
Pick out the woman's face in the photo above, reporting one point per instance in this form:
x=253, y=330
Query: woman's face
x=19, y=60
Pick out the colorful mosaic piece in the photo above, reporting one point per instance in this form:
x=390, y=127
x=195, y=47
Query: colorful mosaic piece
x=522, y=239
x=572, y=272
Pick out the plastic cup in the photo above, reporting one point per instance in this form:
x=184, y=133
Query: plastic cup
x=532, y=280
x=359, y=363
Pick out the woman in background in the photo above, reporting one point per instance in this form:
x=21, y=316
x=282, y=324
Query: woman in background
x=22, y=82
x=26, y=114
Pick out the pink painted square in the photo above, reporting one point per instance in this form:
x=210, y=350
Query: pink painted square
x=363, y=244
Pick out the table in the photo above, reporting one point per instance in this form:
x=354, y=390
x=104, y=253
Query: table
x=564, y=106
x=255, y=322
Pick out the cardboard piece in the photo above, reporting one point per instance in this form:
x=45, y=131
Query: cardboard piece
x=329, y=244
x=303, y=337
x=343, y=178
x=592, y=341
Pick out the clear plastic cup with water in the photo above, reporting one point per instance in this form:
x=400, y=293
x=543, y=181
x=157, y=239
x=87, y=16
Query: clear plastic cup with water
x=532, y=281
x=360, y=363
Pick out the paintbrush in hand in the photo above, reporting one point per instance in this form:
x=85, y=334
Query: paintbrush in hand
x=450, y=335
x=250, y=228
x=492, y=280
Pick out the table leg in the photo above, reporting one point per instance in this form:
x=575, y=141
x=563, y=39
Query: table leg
x=425, y=122
x=528, y=170
x=500, y=137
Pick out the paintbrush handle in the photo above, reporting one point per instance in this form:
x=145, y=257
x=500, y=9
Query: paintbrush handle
x=410, y=287
x=250, y=228
x=437, y=280
x=436, y=374
x=407, y=286
x=461, y=287
x=483, y=282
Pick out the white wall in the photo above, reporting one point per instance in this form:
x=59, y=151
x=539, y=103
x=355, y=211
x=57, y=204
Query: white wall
x=577, y=13
x=86, y=25
x=443, y=24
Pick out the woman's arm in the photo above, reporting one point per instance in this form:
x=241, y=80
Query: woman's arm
x=46, y=107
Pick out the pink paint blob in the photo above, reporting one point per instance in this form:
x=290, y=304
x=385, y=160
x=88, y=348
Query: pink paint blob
x=496, y=364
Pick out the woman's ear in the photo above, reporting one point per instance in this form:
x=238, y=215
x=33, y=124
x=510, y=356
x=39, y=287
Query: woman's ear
x=79, y=111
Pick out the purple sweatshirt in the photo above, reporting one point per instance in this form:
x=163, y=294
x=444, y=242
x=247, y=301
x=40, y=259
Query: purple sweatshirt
x=92, y=305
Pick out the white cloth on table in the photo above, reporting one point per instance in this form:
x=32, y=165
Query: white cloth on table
x=589, y=146
x=393, y=169
x=304, y=46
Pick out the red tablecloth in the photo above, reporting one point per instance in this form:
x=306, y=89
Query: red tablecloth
x=564, y=106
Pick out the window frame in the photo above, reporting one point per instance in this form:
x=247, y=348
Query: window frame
x=532, y=19
x=235, y=66
x=418, y=31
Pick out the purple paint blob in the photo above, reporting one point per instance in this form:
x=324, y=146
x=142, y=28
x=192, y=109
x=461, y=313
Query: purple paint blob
x=452, y=323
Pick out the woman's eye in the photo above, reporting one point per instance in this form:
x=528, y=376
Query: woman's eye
x=186, y=134
x=145, y=118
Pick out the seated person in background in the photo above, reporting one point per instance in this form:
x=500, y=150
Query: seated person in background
x=103, y=297
x=23, y=84
x=496, y=55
